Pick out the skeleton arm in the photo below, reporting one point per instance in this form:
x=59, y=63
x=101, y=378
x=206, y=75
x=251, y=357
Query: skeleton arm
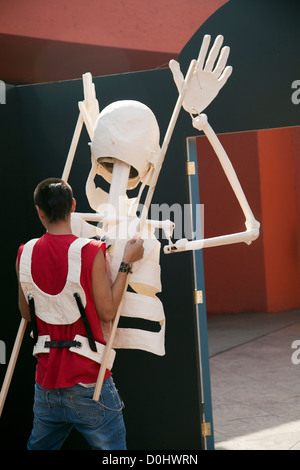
x=88, y=112
x=252, y=226
x=206, y=83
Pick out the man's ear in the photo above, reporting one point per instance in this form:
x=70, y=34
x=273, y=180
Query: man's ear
x=40, y=212
x=42, y=216
x=73, y=205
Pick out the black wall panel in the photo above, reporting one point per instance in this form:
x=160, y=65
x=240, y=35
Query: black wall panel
x=161, y=393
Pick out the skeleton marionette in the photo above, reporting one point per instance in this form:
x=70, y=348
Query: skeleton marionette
x=126, y=153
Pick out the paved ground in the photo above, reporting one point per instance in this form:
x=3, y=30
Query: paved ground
x=255, y=385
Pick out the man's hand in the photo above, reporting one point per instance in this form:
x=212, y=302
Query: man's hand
x=208, y=78
x=134, y=251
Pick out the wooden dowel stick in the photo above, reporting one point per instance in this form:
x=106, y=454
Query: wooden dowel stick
x=12, y=363
x=108, y=347
x=72, y=150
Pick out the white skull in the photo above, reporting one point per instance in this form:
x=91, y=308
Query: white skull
x=127, y=131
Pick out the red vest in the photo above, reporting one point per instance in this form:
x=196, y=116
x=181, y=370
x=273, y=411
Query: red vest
x=60, y=367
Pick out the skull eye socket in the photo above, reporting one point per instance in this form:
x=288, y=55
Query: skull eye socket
x=133, y=172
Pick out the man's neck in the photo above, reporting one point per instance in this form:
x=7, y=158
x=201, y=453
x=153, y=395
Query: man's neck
x=61, y=227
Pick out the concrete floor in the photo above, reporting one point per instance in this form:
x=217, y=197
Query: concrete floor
x=255, y=385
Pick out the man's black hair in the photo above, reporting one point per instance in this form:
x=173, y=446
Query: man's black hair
x=55, y=197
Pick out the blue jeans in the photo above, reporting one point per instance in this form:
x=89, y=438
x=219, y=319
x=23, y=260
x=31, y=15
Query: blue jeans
x=57, y=411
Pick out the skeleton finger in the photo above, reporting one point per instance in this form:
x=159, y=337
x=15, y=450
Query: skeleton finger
x=213, y=54
x=177, y=75
x=225, y=75
x=203, y=51
x=221, y=62
x=87, y=87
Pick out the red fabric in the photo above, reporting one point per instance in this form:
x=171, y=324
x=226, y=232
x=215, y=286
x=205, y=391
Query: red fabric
x=61, y=368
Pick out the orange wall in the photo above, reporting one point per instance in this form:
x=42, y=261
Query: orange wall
x=265, y=275
x=42, y=40
x=279, y=218
x=234, y=274
x=162, y=26
x=296, y=159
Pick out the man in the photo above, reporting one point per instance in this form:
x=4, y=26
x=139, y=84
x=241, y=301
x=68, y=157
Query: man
x=64, y=290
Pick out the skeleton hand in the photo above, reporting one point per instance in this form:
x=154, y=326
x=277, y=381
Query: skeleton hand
x=89, y=108
x=206, y=81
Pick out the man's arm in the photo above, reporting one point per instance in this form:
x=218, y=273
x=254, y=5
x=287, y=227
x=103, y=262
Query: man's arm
x=107, y=298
